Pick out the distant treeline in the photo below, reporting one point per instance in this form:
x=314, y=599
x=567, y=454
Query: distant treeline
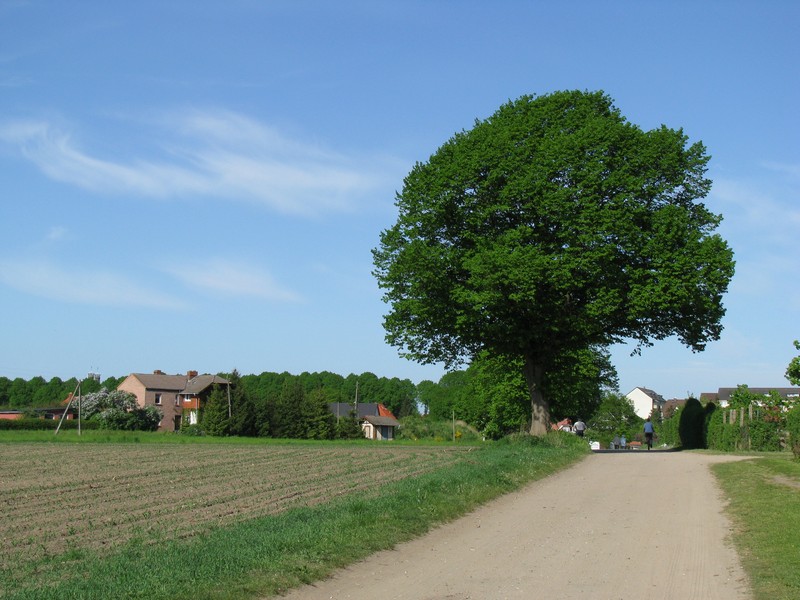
x=398, y=395
x=39, y=393
x=490, y=395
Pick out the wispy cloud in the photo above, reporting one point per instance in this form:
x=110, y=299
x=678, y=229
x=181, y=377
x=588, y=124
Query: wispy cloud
x=57, y=233
x=232, y=278
x=791, y=170
x=766, y=217
x=761, y=226
x=209, y=153
x=81, y=286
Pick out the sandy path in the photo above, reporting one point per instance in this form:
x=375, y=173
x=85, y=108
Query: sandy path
x=625, y=525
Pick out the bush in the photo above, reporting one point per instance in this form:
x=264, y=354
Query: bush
x=765, y=436
x=42, y=424
x=554, y=439
x=721, y=436
x=414, y=427
x=192, y=430
x=691, y=428
x=793, y=427
x=667, y=430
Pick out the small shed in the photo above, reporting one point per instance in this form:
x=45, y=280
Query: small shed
x=379, y=428
x=377, y=422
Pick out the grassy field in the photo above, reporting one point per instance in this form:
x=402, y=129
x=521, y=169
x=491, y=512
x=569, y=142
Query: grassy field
x=153, y=516
x=765, y=507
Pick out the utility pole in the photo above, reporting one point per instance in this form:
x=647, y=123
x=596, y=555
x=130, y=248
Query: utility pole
x=77, y=390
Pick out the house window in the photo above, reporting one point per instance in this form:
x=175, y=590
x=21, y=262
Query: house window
x=177, y=400
x=158, y=399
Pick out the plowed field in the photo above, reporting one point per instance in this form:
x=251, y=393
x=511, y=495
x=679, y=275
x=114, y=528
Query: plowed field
x=65, y=498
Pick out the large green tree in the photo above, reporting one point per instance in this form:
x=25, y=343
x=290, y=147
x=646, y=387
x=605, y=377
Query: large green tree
x=216, y=418
x=793, y=370
x=552, y=227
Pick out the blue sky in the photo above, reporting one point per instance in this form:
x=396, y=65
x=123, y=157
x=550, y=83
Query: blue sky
x=198, y=185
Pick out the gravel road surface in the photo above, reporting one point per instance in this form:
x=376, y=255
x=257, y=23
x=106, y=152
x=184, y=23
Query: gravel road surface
x=617, y=526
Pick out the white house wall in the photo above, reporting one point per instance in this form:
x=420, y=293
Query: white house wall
x=642, y=403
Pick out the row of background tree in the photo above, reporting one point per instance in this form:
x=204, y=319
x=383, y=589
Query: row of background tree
x=490, y=395
x=38, y=392
x=399, y=395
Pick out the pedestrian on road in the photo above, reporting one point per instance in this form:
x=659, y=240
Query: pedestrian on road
x=579, y=427
x=648, y=433
x=622, y=441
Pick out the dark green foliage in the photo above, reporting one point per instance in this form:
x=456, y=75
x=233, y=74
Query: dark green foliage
x=793, y=370
x=691, y=426
x=764, y=436
x=760, y=422
x=44, y=424
x=793, y=428
x=762, y=433
x=416, y=427
x=244, y=418
x=347, y=427
x=318, y=421
x=215, y=420
x=454, y=391
x=553, y=227
x=499, y=397
x=492, y=396
x=721, y=436
x=287, y=418
x=614, y=417
x=667, y=430
x=37, y=392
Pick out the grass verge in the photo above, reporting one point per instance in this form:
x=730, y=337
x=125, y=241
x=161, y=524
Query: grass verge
x=765, y=509
x=266, y=556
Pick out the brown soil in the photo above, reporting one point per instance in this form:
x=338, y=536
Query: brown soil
x=625, y=525
x=68, y=497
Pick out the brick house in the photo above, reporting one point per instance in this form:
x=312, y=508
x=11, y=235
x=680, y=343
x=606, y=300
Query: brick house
x=178, y=396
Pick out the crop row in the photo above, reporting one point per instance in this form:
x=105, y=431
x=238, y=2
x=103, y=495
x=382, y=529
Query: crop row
x=69, y=498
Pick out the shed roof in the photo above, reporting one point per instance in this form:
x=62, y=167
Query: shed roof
x=365, y=409
x=382, y=421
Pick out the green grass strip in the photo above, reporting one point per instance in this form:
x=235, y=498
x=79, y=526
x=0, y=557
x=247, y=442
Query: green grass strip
x=269, y=555
x=765, y=509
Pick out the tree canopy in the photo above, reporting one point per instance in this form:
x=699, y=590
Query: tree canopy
x=553, y=227
x=793, y=370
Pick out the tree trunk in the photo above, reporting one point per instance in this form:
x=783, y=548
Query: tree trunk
x=540, y=409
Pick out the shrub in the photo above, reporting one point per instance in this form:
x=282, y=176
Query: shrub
x=764, y=435
x=667, y=431
x=691, y=427
x=43, y=424
x=793, y=427
x=414, y=427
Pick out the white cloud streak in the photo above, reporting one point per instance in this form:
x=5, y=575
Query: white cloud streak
x=214, y=153
x=231, y=278
x=761, y=226
x=81, y=286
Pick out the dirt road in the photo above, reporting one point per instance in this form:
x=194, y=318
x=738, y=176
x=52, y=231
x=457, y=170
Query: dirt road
x=617, y=526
